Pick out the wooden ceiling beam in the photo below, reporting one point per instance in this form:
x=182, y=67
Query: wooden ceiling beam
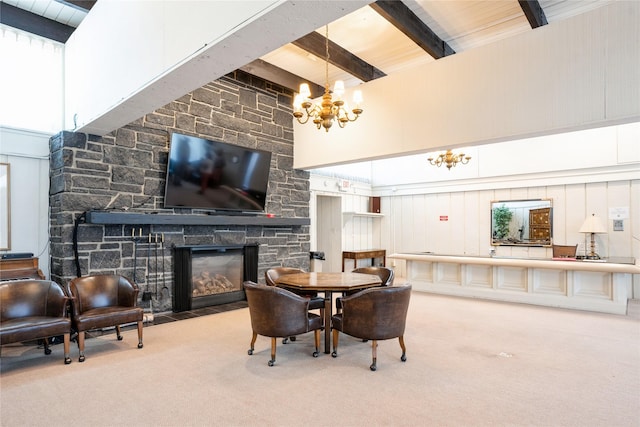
x=270, y=72
x=413, y=27
x=83, y=5
x=35, y=24
x=314, y=43
x=534, y=13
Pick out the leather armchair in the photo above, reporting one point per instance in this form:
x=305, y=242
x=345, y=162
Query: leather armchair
x=315, y=302
x=276, y=312
x=272, y=274
x=102, y=301
x=386, y=274
x=34, y=309
x=374, y=314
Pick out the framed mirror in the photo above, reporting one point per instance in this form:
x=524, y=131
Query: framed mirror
x=522, y=222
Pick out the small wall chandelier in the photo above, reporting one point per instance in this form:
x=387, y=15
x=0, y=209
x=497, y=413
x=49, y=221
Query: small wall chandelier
x=329, y=110
x=449, y=159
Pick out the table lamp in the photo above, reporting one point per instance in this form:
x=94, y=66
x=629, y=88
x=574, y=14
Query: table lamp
x=592, y=225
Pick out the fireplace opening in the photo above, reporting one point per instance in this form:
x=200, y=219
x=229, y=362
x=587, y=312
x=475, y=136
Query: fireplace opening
x=212, y=275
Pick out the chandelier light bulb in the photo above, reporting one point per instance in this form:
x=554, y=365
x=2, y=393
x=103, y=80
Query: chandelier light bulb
x=329, y=110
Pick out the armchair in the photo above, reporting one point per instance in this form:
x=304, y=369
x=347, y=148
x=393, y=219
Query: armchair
x=373, y=314
x=34, y=309
x=315, y=302
x=276, y=312
x=386, y=274
x=102, y=301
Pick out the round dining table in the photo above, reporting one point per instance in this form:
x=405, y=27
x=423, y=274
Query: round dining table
x=328, y=283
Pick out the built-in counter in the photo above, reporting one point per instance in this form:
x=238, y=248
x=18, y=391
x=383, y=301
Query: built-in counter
x=602, y=285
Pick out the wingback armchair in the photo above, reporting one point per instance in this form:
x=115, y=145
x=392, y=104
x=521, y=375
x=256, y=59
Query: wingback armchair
x=374, y=314
x=34, y=309
x=277, y=313
x=102, y=301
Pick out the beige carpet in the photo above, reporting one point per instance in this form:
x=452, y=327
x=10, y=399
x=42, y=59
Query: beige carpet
x=470, y=363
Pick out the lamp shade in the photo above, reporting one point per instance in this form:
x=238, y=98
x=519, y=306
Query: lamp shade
x=593, y=224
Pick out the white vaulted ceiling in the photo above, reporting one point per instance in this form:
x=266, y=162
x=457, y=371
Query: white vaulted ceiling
x=462, y=24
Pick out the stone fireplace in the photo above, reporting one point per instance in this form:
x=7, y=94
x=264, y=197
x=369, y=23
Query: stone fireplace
x=212, y=275
x=106, y=190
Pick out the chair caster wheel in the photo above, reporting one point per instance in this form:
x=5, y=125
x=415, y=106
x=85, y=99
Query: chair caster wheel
x=47, y=351
x=292, y=338
x=67, y=360
x=315, y=354
x=81, y=359
x=334, y=354
x=285, y=340
x=250, y=352
x=271, y=362
x=373, y=367
x=140, y=345
x=120, y=338
x=403, y=358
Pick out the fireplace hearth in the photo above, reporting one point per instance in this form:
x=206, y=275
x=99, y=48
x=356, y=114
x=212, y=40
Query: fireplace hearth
x=212, y=275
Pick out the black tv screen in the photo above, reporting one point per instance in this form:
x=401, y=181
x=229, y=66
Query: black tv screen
x=213, y=175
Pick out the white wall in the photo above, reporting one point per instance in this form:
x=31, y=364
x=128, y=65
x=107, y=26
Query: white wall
x=580, y=73
x=131, y=57
x=27, y=153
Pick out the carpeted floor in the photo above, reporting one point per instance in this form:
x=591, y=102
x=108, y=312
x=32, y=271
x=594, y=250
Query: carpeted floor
x=470, y=363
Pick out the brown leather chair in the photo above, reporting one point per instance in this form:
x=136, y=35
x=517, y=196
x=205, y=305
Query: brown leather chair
x=33, y=310
x=564, y=251
x=316, y=302
x=373, y=314
x=385, y=274
x=102, y=301
x=276, y=312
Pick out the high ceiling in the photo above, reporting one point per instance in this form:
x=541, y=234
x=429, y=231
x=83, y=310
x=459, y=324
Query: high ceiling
x=380, y=39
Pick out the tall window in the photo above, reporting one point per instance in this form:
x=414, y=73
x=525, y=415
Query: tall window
x=31, y=81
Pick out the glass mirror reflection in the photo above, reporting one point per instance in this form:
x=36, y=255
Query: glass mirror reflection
x=522, y=222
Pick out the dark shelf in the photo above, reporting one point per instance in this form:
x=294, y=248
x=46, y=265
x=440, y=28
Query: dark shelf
x=103, y=217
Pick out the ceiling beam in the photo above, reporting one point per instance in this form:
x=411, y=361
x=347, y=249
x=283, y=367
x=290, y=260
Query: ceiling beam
x=413, y=27
x=35, y=24
x=314, y=43
x=270, y=72
x=82, y=5
x=534, y=13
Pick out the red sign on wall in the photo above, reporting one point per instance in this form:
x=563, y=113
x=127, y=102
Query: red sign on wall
x=444, y=217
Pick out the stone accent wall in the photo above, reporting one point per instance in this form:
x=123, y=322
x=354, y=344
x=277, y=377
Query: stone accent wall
x=125, y=171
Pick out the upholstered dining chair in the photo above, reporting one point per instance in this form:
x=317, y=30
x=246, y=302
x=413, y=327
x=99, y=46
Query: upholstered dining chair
x=374, y=314
x=316, y=302
x=102, y=301
x=385, y=274
x=277, y=313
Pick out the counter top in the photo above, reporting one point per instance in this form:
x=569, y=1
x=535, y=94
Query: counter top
x=610, y=265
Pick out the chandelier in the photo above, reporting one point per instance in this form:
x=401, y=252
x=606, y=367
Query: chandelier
x=329, y=110
x=449, y=159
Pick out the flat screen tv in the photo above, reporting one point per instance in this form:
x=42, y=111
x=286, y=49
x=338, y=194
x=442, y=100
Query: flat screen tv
x=213, y=175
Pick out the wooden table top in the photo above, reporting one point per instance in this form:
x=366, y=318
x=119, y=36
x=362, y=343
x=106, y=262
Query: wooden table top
x=320, y=281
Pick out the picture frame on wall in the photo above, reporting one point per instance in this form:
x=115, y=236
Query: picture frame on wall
x=5, y=207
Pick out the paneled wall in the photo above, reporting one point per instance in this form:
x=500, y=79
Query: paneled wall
x=27, y=154
x=459, y=223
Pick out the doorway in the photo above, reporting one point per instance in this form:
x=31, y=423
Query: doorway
x=329, y=231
